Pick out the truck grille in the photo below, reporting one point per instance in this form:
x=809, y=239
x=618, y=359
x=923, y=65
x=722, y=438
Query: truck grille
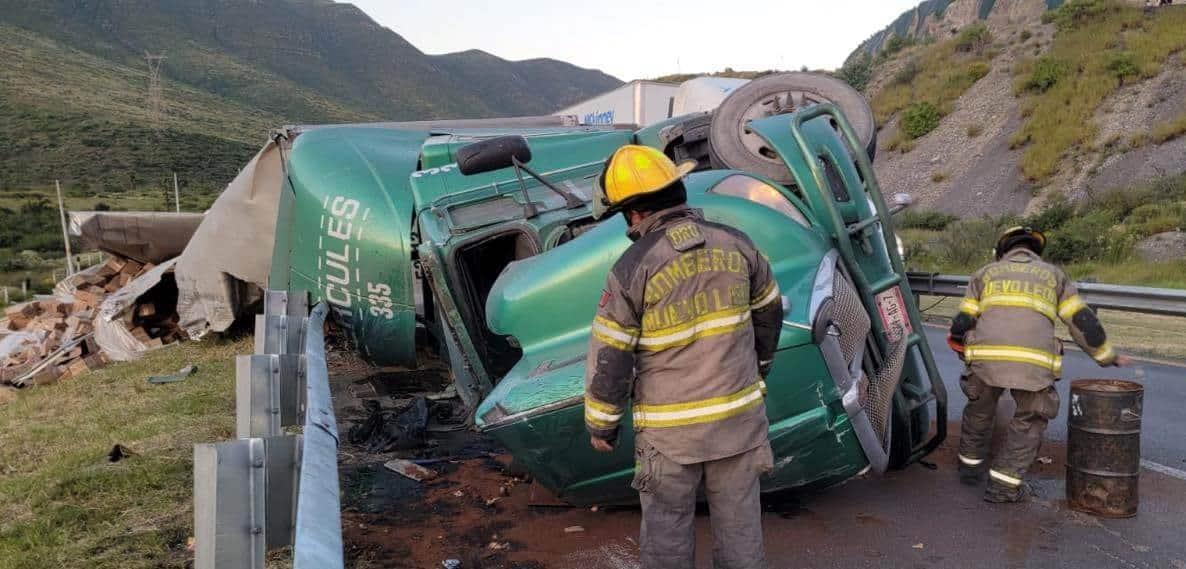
x=851, y=316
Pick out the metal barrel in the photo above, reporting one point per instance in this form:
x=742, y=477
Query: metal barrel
x=1104, y=447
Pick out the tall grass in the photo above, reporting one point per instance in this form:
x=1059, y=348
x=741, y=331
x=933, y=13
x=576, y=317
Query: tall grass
x=930, y=82
x=1100, y=45
x=1168, y=131
x=63, y=505
x=938, y=75
x=1094, y=238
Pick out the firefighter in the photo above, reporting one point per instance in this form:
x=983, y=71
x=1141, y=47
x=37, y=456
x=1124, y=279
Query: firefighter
x=1005, y=333
x=684, y=335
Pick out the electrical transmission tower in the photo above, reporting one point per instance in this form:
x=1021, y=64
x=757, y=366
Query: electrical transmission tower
x=154, y=88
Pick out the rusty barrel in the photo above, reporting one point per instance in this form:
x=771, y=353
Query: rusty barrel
x=1104, y=447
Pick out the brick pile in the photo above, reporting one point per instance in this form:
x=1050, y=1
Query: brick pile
x=61, y=343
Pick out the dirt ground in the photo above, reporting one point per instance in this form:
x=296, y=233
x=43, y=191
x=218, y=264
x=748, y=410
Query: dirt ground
x=480, y=513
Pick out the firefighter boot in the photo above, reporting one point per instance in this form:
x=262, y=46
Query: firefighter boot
x=1004, y=488
x=971, y=474
x=1001, y=494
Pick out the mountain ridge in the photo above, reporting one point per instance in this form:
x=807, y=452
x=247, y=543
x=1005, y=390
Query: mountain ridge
x=232, y=70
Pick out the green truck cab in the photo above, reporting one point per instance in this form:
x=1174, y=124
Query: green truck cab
x=500, y=274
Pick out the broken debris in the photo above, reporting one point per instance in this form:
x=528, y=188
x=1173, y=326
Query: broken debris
x=385, y=431
x=120, y=452
x=173, y=378
x=53, y=338
x=409, y=469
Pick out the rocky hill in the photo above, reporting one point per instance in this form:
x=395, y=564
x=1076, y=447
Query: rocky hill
x=73, y=84
x=997, y=107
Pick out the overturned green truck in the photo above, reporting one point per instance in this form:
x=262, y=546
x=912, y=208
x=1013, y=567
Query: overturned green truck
x=499, y=272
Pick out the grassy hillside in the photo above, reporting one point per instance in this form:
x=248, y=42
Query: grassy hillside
x=926, y=87
x=1100, y=46
x=256, y=51
x=1093, y=239
x=73, y=85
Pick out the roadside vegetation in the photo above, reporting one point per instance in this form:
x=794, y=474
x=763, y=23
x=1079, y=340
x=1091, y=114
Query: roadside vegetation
x=1099, y=46
x=64, y=505
x=926, y=87
x=1092, y=240
x=31, y=248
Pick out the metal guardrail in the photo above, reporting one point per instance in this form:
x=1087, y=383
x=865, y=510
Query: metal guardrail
x=1145, y=300
x=318, y=539
x=269, y=489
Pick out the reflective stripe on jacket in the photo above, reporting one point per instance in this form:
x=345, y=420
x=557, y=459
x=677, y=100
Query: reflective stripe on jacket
x=1007, y=321
x=688, y=312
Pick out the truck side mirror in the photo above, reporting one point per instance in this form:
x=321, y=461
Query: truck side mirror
x=493, y=154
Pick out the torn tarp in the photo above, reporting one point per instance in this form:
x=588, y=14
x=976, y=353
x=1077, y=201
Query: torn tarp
x=225, y=266
x=145, y=236
x=111, y=325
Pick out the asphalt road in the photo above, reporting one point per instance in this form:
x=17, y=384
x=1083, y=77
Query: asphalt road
x=917, y=518
x=1164, y=421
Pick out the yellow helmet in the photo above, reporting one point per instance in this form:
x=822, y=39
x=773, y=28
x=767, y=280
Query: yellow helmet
x=634, y=171
x=1017, y=235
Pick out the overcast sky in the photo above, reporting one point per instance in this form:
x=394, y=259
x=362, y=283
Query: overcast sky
x=639, y=39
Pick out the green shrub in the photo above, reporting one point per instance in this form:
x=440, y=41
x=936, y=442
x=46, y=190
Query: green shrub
x=967, y=244
x=857, y=71
x=1122, y=66
x=1056, y=213
x=977, y=70
x=1026, y=35
x=895, y=44
x=973, y=38
x=1085, y=238
x=907, y=73
x=1046, y=74
x=1078, y=13
x=1122, y=202
x=920, y=118
x=928, y=219
x=1154, y=218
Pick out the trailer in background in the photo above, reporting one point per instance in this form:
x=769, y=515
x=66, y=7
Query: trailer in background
x=644, y=103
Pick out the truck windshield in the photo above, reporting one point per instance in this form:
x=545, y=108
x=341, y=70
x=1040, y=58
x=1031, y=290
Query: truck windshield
x=759, y=192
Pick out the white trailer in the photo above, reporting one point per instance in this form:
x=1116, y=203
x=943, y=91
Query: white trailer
x=643, y=103
x=636, y=103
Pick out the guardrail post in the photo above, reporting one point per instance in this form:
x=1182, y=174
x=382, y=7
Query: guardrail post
x=247, y=492
x=229, y=505
x=257, y=396
x=243, y=500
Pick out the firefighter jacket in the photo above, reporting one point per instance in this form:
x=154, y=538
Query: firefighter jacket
x=689, y=315
x=1007, y=320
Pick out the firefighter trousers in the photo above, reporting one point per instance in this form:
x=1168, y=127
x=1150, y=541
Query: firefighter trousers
x=668, y=492
x=1035, y=410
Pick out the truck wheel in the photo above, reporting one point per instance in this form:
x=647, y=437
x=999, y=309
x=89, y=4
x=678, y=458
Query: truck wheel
x=735, y=146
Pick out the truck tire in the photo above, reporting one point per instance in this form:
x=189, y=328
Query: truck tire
x=734, y=146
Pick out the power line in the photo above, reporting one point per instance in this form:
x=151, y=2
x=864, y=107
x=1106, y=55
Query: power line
x=154, y=88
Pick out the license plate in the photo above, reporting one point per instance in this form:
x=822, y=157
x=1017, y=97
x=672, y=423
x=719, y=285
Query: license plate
x=894, y=318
